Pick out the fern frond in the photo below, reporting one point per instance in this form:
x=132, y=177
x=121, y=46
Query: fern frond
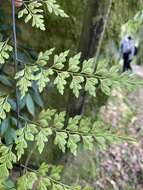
x=7, y=158
x=51, y=123
x=69, y=72
x=34, y=10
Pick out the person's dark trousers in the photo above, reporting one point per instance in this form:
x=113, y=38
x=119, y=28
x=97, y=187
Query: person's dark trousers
x=127, y=62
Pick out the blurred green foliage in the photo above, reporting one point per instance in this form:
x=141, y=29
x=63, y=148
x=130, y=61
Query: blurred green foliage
x=62, y=34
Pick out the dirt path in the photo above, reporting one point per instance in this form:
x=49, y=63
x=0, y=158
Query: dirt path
x=136, y=98
x=138, y=70
x=122, y=165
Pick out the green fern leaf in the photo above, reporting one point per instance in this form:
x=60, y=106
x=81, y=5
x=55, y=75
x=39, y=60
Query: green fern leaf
x=59, y=60
x=4, y=51
x=33, y=12
x=21, y=143
x=26, y=77
x=4, y=108
x=106, y=86
x=7, y=158
x=23, y=134
x=45, y=116
x=74, y=63
x=76, y=84
x=43, y=169
x=43, y=183
x=53, y=7
x=88, y=142
x=58, y=187
x=90, y=86
x=88, y=66
x=73, y=123
x=42, y=137
x=44, y=57
x=26, y=181
x=72, y=143
x=61, y=82
x=60, y=140
x=42, y=78
x=56, y=172
x=59, y=120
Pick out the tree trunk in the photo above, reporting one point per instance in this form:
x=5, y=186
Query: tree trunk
x=94, y=25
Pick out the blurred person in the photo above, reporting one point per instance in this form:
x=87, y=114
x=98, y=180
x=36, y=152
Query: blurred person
x=128, y=50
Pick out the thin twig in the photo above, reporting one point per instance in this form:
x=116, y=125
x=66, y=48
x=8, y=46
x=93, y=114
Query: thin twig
x=15, y=56
x=103, y=32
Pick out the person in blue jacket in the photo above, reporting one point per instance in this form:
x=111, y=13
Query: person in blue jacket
x=128, y=50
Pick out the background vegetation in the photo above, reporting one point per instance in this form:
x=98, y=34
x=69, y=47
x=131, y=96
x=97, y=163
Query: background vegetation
x=44, y=124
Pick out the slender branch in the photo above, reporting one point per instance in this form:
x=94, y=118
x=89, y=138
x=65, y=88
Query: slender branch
x=103, y=32
x=14, y=33
x=15, y=56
